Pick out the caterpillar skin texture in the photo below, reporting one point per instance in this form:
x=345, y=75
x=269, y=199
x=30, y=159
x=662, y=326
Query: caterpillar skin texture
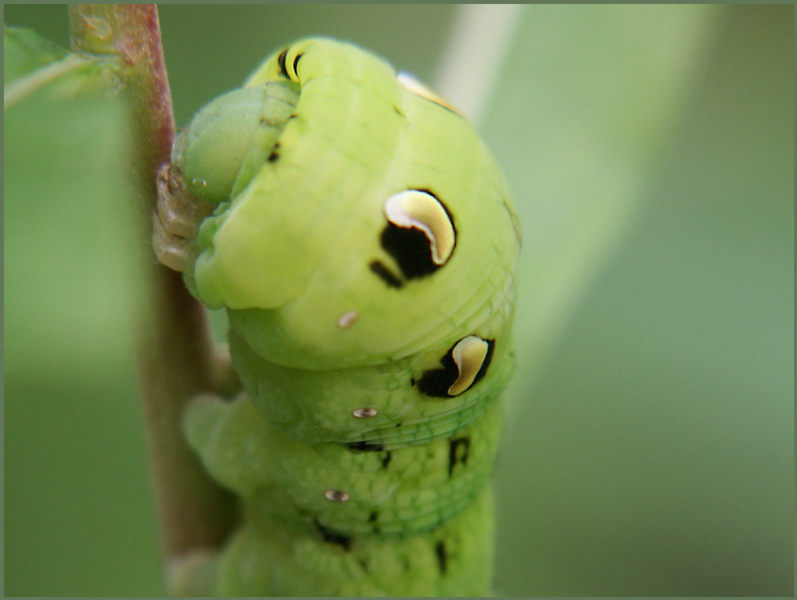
x=363, y=242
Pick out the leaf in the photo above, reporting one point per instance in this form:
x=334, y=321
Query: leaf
x=32, y=63
x=25, y=51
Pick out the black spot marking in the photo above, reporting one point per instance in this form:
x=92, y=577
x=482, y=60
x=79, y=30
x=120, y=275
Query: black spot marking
x=398, y=424
x=333, y=537
x=442, y=556
x=363, y=563
x=412, y=380
x=454, y=456
x=365, y=446
x=405, y=564
x=410, y=247
x=435, y=382
x=281, y=63
x=386, y=459
x=385, y=274
x=372, y=518
x=274, y=153
x=296, y=64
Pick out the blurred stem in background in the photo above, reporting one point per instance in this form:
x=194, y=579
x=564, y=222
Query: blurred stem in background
x=481, y=36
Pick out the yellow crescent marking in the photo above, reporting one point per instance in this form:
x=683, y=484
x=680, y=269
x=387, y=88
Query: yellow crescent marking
x=468, y=354
x=421, y=210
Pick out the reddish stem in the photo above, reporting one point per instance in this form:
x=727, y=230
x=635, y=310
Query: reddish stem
x=176, y=355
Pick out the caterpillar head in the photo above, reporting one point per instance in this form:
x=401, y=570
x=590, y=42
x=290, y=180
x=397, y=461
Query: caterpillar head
x=343, y=215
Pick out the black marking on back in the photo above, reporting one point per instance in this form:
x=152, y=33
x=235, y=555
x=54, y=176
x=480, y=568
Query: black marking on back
x=365, y=446
x=274, y=153
x=435, y=382
x=442, y=556
x=454, y=456
x=296, y=64
x=385, y=274
x=281, y=63
x=333, y=537
x=398, y=111
x=386, y=459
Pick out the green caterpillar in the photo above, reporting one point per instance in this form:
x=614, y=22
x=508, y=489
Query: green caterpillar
x=363, y=242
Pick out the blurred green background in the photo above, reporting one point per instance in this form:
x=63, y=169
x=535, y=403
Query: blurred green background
x=649, y=444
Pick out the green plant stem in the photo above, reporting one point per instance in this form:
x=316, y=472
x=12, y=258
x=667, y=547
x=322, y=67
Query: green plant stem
x=176, y=355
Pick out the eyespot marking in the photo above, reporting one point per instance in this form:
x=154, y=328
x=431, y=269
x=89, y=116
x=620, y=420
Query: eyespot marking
x=420, y=233
x=347, y=319
x=364, y=413
x=409, y=82
x=464, y=364
x=468, y=354
x=336, y=496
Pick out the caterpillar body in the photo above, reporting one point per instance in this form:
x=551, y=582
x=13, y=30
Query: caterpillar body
x=363, y=243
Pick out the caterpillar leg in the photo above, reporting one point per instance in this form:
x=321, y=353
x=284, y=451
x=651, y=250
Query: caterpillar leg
x=176, y=220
